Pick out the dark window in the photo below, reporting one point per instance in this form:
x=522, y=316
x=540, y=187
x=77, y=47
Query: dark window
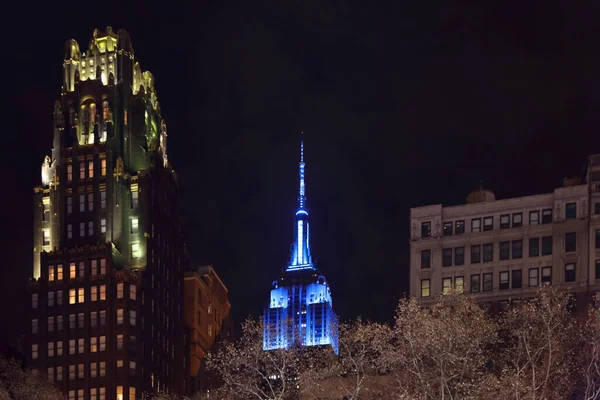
x=570, y=241
x=534, y=247
x=488, y=281
x=598, y=238
x=517, y=219
x=534, y=277
x=546, y=274
x=504, y=305
x=459, y=256
x=504, y=250
x=517, y=248
x=475, y=283
x=597, y=269
x=505, y=221
x=447, y=257
x=517, y=278
x=534, y=217
x=488, y=223
x=546, y=245
x=425, y=258
x=476, y=254
x=476, y=225
x=459, y=227
x=488, y=252
x=425, y=229
x=570, y=272
x=547, y=216
x=504, y=283
x=448, y=228
x=571, y=210
x=597, y=208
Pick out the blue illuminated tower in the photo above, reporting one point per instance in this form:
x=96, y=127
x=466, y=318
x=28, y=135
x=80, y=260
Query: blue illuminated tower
x=300, y=307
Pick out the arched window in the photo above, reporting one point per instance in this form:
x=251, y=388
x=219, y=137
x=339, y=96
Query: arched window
x=93, y=113
x=85, y=115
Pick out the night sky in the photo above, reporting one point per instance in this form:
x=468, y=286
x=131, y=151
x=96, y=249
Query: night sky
x=406, y=104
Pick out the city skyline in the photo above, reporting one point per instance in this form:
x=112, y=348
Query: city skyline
x=391, y=122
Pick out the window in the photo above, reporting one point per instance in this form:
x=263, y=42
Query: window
x=571, y=210
x=488, y=223
x=126, y=122
x=46, y=212
x=517, y=248
x=50, y=324
x=69, y=172
x=570, y=241
x=459, y=256
x=81, y=272
x=533, y=277
x=446, y=257
x=504, y=284
x=94, y=267
x=69, y=231
x=119, y=363
x=82, y=229
x=80, y=295
x=597, y=208
x=81, y=202
x=93, y=293
x=93, y=370
x=59, y=297
x=69, y=205
x=570, y=272
x=598, y=238
x=103, y=226
x=120, y=290
x=50, y=273
x=425, y=229
x=534, y=247
x=80, y=374
x=120, y=342
x=102, y=199
x=34, y=326
x=135, y=250
x=488, y=252
x=134, y=198
x=80, y=346
x=102, y=266
x=72, y=296
x=503, y=305
x=546, y=245
x=81, y=170
x=91, y=169
x=102, y=318
x=475, y=254
x=103, y=167
x=90, y=201
x=210, y=330
x=517, y=219
x=72, y=346
x=120, y=316
x=34, y=351
x=102, y=292
x=505, y=221
x=425, y=287
x=50, y=373
x=90, y=228
x=488, y=281
x=59, y=349
x=131, y=366
x=93, y=345
x=46, y=237
x=134, y=225
x=425, y=258
x=459, y=227
x=597, y=269
x=517, y=278
x=132, y=317
x=547, y=216
x=102, y=346
x=504, y=250
x=132, y=292
x=534, y=217
x=34, y=300
x=119, y=392
x=448, y=229
x=459, y=284
x=546, y=274
x=475, y=283
x=72, y=321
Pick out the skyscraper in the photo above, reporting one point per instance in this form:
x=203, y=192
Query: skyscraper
x=105, y=299
x=300, y=307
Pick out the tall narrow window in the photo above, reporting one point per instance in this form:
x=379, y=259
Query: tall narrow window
x=505, y=221
x=488, y=252
x=80, y=295
x=69, y=172
x=50, y=299
x=34, y=300
x=488, y=223
x=103, y=226
x=459, y=284
x=135, y=250
x=34, y=351
x=120, y=341
x=90, y=201
x=488, y=282
x=533, y=277
x=446, y=285
x=102, y=292
x=102, y=199
x=134, y=225
x=94, y=293
x=517, y=248
x=102, y=266
x=72, y=296
x=448, y=228
x=534, y=217
x=102, y=346
x=46, y=238
x=425, y=287
x=46, y=211
x=72, y=271
x=126, y=118
x=447, y=257
x=120, y=316
x=547, y=245
x=571, y=210
x=475, y=254
x=69, y=231
x=94, y=267
x=534, y=247
x=50, y=273
x=90, y=168
x=59, y=296
x=570, y=272
x=34, y=326
x=81, y=170
x=103, y=167
x=546, y=274
x=82, y=229
x=132, y=291
x=547, y=216
x=570, y=241
x=459, y=255
x=132, y=317
x=134, y=198
x=81, y=202
x=425, y=258
x=517, y=278
x=517, y=219
x=69, y=205
x=105, y=111
x=476, y=225
x=504, y=283
x=504, y=250
x=459, y=227
x=120, y=290
x=90, y=228
x=81, y=271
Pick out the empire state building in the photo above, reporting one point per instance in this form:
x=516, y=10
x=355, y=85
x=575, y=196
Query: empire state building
x=300, y=310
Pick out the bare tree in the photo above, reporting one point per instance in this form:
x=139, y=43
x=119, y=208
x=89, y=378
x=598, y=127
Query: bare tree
x=537, y=359
x=589, y=356
x=248, y=372
x=441, y=352
x=17, y=383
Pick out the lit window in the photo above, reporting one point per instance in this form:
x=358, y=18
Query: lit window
x=46, y=212
x=90, y=201
x=72, y=296
x=34, y=326
x=120, y=290
x=102, y=266
x=105, y=111
x=119, y=363
x=93, y=114
x=103, y=167
x=102, y=199
x=504, y=283
x=505, y=221
x=134, y=225
x=102, y=292
x=34, y=351
x=80, y=346
x=91, y=169
x=533, y=277
x=50, y=349
x=476, y=225
x=34, y=300
x=517, y=219
x=210, y=330
x=51, y=273
x=132, y=292
x=126, y=118
x=132, y=389
x=59, y=373
x=94, y=268
x=69, y=172
x=134, y=198
x=119, y=392
x=132, y=316
x=81, y=229
x=72, y=271
x=90, y=228
x=80, y=295
x=425, y=287
x=459, y=284
x=102, y=346
x=93, y=370
x=446, y=285
x=81, y=170
x=80, y=374
x=103, y=226
x=93, y=345
x=72, y=346
x=120, y=316
x=135, y=250
x=46, y=234
x=94, y=293
x=120, y=342
x=50, y=373
x=488, y=223
x=69, y=205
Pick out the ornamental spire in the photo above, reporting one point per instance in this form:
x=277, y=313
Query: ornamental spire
x=301, y=258
x=301, y=196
